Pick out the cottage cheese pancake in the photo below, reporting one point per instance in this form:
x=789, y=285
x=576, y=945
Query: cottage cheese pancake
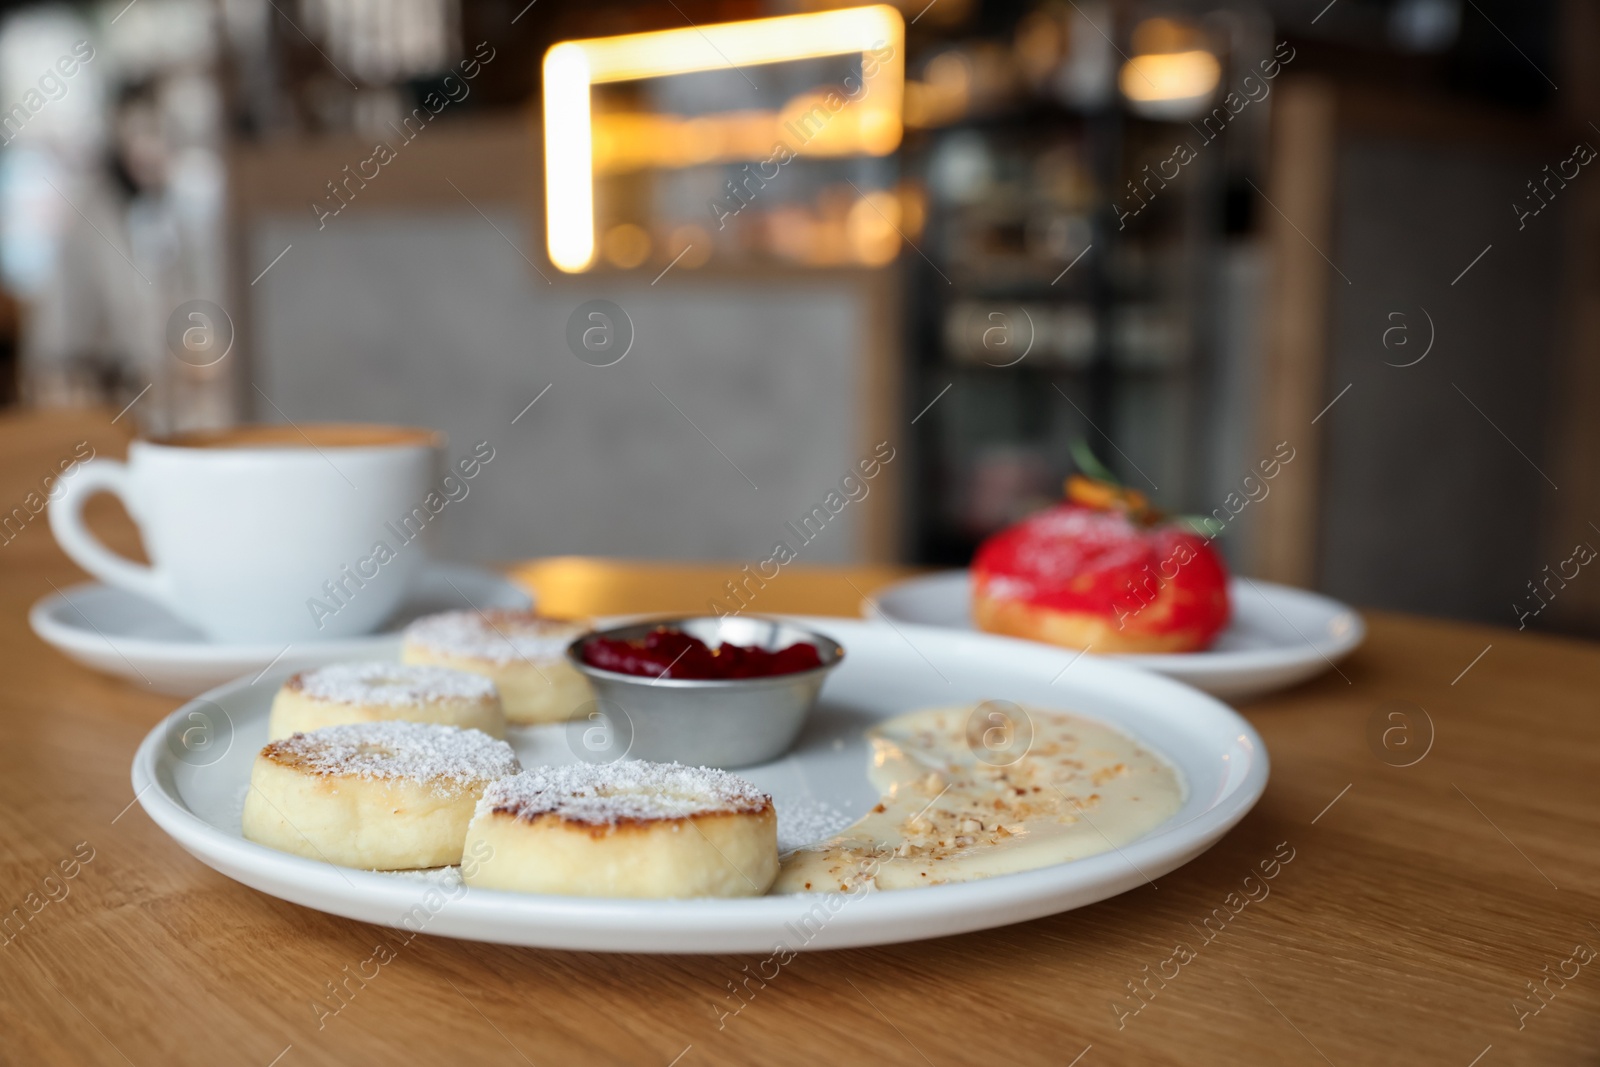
x=379, y=795
x=523, y=653
x=626, y=829
x=954, y=812
x=375, y=692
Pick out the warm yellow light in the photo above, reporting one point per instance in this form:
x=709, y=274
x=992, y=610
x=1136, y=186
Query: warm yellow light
x=913, y=210
x=695, y=242
x=870, y=123
x=634, y=140
x=1170, y=83
x=626, y=246
x=568, y=184
x=870, y=226
x=743, y=44
x=945, y=96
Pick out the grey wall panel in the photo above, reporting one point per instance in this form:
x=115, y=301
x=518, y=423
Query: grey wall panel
x=1427, y=506
x=437, y=320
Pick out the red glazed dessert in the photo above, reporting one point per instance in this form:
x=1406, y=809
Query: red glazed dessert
x=1104, y=573
x=668, y=653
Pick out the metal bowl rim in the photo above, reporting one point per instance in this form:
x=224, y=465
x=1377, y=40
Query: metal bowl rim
x=816, y=637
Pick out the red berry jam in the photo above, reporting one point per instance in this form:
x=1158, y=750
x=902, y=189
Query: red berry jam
x=667, y=653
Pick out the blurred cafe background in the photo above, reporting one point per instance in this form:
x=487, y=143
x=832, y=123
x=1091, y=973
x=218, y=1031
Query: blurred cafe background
x=684, y=264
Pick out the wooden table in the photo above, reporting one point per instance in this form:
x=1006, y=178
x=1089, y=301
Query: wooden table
x=1419, y=903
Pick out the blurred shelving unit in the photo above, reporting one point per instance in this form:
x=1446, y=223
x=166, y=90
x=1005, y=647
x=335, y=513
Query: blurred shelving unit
x=1089, y=222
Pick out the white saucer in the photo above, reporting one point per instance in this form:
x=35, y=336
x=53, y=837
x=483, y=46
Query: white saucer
x=196, y=794
x=1279, y=635
x=124, y=634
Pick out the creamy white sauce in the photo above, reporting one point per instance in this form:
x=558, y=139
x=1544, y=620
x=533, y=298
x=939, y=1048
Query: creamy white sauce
x=947, y=815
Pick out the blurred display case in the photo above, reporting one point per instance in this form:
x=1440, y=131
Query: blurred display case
x=1080, y=204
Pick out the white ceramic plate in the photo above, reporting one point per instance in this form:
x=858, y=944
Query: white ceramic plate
x=124, y=634
x=1279, y=635
x=823, y=780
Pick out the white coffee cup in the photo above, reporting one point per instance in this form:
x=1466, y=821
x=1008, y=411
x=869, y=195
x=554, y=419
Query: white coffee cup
x=265, y=533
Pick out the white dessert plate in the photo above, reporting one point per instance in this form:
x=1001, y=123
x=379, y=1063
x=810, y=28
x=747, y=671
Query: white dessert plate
x=1279, y=635
x=195, y=792
x=122, y=633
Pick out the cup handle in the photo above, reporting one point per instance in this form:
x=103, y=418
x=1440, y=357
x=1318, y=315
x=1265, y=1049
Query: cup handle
x=66, y=522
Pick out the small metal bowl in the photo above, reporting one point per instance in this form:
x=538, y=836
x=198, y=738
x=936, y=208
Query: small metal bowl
x=715, y=722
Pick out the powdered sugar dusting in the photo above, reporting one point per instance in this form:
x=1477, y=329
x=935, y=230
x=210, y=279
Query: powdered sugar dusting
x=445, y=878
x=446, y=757
x=629, y=790
x=391, y=684
x=497, y=636
x=805, y=821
